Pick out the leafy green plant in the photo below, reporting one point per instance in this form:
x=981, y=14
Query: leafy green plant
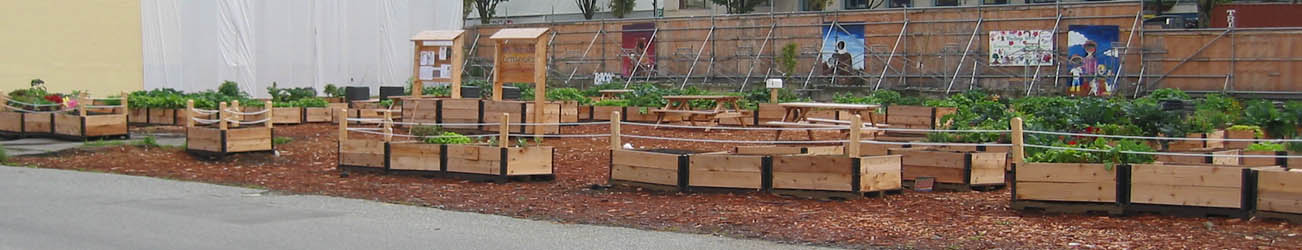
x=1110, y=153
x=426, y=130
x=333, y=91
x=568, y=94
x=312, y=102
x=448, y=137
x=1263, y=113
x=149, y=142
x=1169, y=94
x=1219, y=110
x=281, y=140
x=613, y=103
x=232, y=89
x=1265, y=146
x=4, y=155
x=1254, y=128
x=787, y=60
x=386, y=103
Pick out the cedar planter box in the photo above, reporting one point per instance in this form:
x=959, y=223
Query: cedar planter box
x=636, y=114
x=1069, y=187
x=966, y=169
x=90, y=126
x=1279, y=194
x=215, y=143
x=732, y=172
x=1199, y=189
x=1198, y=144
x=421, y=110
x=324, y=114
x=461, y=111
x=768, y=112
x=828, y=176
x=569, y=111
x=497, y=162
x=918, y=117
x=361, y=154
x=335, y=107
x=522, y=112
x=138, y=115
x=586, y=114
x=287, y=115
x=1229, y=157
x=789, y=150
x=602, y=113
x=159, y=116
x=663, y=168
x=11, y=123
x=1239, y=134
x=38, y=123
x=415, y=157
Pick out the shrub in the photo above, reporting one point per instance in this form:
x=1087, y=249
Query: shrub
x=279, y=140
x=448, y=137
x=426, y=130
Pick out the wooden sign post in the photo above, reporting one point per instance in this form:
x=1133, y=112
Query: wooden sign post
x=521, y=57
x=437, y=59
x=773, y=85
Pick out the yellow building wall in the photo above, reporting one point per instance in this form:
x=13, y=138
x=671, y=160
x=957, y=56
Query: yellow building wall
x=72, y=45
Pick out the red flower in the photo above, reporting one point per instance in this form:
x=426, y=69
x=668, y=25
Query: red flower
x=1071, y=143
x=54, y=98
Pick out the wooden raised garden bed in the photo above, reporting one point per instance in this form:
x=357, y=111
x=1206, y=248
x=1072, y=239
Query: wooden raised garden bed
x=1279, y=194
x=726, y=171
x=664, y=169
x=953, y=169
x=215, y=142
x=421, y=110
x=138, y=115
x=522, y=112
x=461, y=111
x=1239, y=134
x=1197, y=190
x=1229, y=157
x=499, y=163
x=90, y=126
x=287, y=115
x=362, y=155
x=317, y=115
x=1190, y=145
x=569, y=111
x=602, y=113
x=1068, y=187
x=789, y=150
x=917, y=117
x=833, y=176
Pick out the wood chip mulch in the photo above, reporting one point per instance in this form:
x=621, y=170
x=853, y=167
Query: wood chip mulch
x=966, y=220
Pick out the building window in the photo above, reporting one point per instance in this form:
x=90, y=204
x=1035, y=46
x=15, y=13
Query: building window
x=901, y=3
x=948, y=2
x=812, y=5
x=994, y=2
x=692, y=4
x=1041, y=1
x=856, y=4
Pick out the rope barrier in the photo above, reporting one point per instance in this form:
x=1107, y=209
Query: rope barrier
x=440, y=124
x=724, y=128
x=936, y=143
x=563, y=135
x=1159, y=138
x=204, y=121
x=732, y=141
x=1162, y=153
x=249, y=122
x=246, y=113
x=203, y=111
x=947, y=130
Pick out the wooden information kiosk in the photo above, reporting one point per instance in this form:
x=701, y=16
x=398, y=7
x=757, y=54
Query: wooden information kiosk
x=521, y=57
x=437, y=59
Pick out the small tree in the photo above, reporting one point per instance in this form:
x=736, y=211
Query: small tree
x=466, y=7
x=588, y=7
x=788, y=59
x=487, y=9
x=739, y=6
x=620, y=8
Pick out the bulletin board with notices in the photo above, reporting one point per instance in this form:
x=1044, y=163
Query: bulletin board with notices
x=438, y=58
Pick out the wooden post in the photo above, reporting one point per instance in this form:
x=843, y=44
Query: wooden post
x=856, y=128
x=540, y=85
x=416, y=84
x=457, y=58
x=235, y=105
x=221, y=112
x=773, y=96
x=497, y=72
x=343, y=124
x=267, y=107
x=388, y=126
x=614, y=131
x=123, y=102
x=4, y=100
x=504, y=130
x=82, y=102
x=189, y=113
x=1019, y=152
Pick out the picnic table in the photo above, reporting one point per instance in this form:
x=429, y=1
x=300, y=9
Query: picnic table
x=612, y=94
x=797, y=115
x=725, y=107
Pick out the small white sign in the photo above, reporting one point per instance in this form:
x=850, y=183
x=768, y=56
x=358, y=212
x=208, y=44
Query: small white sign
x=426, y=73
x=602, y=78
x=773, y=83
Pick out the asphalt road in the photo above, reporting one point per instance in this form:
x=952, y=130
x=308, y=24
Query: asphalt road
x=56, y=209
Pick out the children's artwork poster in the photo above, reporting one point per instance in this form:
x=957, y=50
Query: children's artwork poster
x=517, y=62
x=1091, y=59
x=637, y=46
x=843, y=51
x=1021, y=48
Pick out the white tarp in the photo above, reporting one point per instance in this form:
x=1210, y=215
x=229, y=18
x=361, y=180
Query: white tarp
x=194, y=45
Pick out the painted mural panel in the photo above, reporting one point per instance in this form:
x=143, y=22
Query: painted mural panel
x=1091, y=59
x=1021, y=48
x=843, y=52
x=637, y=45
